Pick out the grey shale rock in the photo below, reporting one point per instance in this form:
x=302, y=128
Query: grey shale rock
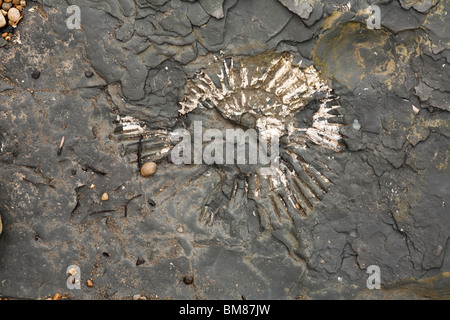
x=396, y=19
x=197, y=15
x=213, y=7
x=421, y=6
x=302, y=8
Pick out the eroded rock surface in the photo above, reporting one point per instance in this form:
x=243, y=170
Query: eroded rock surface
x=380, y=199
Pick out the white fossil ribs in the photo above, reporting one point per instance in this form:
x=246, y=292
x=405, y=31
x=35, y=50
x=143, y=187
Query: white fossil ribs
x=268, y=86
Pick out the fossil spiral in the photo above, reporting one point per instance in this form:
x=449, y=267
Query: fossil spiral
x=271, y=94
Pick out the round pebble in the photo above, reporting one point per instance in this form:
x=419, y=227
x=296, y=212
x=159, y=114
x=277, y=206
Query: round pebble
x=13, y=15
x=148, y=169
x=6, y=6
x=88, y=74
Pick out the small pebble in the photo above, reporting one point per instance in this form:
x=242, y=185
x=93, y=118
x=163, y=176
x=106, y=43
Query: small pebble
x=356, y=125
x=188, y=280
x=90, y=284
x=105, y=196
x=36, y=74
x=88, y=74
x=73, y=172
x=148, y=169
x=140, y=261
x=57, y=296
x=151, y=202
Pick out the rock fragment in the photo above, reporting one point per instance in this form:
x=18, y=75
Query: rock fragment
x=140, y=261
x=36, y=74
x=213, y=7
x=105, y=197
x=421, y=6
x=302, y=8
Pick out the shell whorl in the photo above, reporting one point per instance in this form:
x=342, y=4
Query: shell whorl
x=269, y=87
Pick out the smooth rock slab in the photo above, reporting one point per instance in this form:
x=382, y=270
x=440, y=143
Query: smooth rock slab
x=302, y=8
x=213, y=7
x=421, y=6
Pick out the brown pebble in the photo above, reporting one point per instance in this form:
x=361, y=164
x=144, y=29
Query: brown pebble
x=148, y=169
x=4, y=35
x=57, y=296
x=105, y=196
x=90, y=284
x=16, y=1
x=188, y=280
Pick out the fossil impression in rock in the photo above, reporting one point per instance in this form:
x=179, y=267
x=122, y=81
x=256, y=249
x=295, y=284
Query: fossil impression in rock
x=270, y=94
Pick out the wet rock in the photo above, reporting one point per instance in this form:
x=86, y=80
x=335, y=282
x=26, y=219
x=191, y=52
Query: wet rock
x=213, y=7
x=421, y=6
x=302, y=8
x=315, y=15
x=396, y=19
x=175, y=19
x=260, y=32
x=294, y=31
x=439, y=99
x=423, y=91
x=438, y=24
x=197, y=15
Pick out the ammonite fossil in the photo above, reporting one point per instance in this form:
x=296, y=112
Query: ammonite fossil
x=270, y=94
